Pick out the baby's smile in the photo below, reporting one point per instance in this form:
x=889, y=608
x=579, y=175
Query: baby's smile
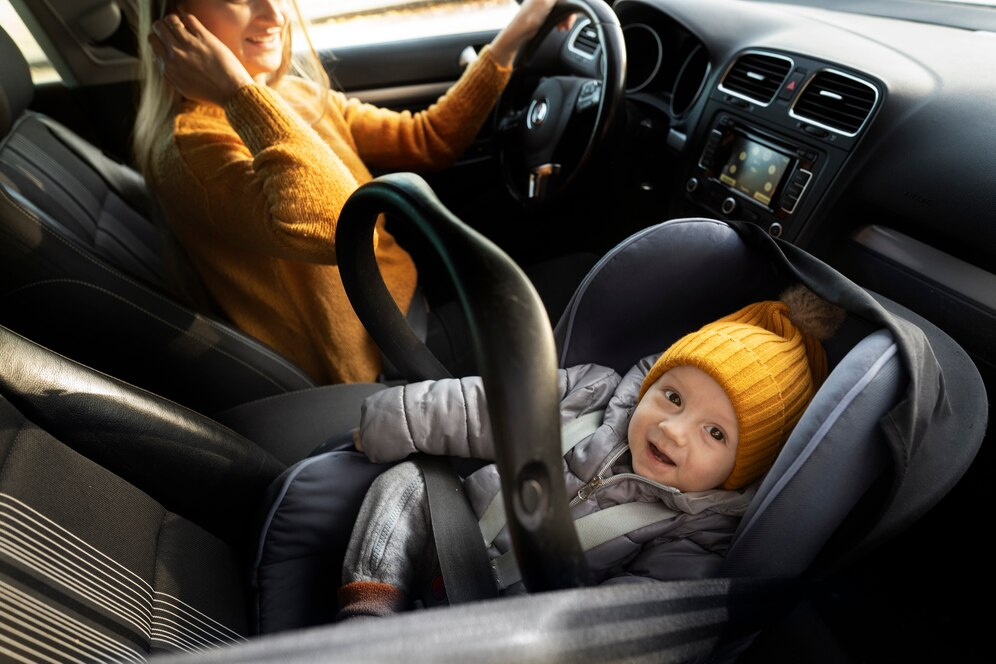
x=659, y=455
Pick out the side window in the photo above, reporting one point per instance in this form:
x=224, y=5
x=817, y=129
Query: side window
x=339, y=23
x=42, y=70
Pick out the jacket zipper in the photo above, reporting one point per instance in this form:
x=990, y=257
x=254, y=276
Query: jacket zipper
x=598, y=481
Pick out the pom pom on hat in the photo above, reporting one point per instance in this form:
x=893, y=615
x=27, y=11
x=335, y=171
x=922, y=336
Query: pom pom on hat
x=768, y=359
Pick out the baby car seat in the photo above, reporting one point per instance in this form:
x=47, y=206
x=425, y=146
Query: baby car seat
x=127, y=522
x=890, y=432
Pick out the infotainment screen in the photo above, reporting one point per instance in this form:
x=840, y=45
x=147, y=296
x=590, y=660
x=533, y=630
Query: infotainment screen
x=753, y=169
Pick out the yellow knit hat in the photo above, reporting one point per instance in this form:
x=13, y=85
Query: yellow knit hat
x=766, y=364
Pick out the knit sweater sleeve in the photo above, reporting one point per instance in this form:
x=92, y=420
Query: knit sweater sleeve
x=432, y=138
x=271, y=184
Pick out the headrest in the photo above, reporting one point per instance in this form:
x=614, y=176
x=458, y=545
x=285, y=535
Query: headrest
x=625, y=308
x=16, y=86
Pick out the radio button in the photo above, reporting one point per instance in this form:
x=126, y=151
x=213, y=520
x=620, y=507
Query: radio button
x=708, y=157
x=691, y=185
x=795, y=190
x=729, y=205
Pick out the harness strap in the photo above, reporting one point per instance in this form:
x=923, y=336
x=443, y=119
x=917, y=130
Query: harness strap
x=468, y=574
x=593, y=529
x=493, y=518
x=463, y=561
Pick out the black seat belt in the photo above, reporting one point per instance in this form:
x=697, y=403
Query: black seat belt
x=463, y=559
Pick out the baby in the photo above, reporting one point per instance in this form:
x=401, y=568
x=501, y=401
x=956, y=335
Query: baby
x=693, y=429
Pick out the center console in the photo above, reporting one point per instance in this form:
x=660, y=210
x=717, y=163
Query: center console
x=745, y=171
x=776, y=130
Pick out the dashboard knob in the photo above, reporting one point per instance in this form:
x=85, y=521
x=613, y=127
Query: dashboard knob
x=775, y=229
x=729, y=205
x=691, y=185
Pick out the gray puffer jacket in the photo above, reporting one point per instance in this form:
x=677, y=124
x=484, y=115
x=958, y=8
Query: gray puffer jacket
x=450, y=417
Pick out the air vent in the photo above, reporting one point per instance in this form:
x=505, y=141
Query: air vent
x=756, y=77
x=836, y=101
x=585, y=40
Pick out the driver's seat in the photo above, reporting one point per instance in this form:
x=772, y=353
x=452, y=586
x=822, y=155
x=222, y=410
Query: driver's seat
x=83, y=268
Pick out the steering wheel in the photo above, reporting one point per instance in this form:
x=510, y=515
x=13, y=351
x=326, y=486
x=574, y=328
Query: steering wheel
x=558, y=108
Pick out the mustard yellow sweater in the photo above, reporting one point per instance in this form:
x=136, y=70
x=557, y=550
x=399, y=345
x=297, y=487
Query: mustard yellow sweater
x=253, y=192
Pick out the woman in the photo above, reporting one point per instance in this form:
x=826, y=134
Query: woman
x=252, y=157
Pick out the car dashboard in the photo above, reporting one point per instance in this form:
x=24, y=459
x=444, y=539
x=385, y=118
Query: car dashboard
x=820, y=89
x=867, y=140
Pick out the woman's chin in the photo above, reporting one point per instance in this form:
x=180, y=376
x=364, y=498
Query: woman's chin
x=261, y=68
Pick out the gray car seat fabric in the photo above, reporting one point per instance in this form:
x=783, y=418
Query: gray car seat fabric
x=825, y=467
x=697, y=263
x=297, y=564
x=86, y=269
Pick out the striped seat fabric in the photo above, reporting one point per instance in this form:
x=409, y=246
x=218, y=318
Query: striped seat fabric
x=78, y=586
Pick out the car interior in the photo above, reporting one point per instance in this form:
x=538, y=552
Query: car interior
x=153, y=452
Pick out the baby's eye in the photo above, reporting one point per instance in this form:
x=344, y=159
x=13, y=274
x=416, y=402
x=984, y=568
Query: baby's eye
x=716, y=433
x=673, y=397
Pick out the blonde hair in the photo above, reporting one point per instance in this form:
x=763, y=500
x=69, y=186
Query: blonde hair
x=159, y=102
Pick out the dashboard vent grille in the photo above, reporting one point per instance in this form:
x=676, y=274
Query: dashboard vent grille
x=756, y=76
x=836, y=101
x=585, y=40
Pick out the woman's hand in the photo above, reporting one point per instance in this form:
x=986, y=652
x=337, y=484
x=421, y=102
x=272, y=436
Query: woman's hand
x=196, y=62
x=523, y=27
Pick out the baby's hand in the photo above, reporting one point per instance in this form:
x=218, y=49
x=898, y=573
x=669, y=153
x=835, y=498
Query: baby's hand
x=357, y=442
x=196, y=62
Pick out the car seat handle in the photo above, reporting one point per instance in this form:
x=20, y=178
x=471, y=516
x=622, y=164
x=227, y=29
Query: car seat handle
x=513, y=345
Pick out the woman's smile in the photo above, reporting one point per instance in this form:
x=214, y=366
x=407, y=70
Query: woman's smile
x=269, y=41
x=254, y=31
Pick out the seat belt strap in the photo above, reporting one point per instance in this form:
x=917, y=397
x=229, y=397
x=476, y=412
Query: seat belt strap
x=572, y=433
x=594, y=529
x=463, y=559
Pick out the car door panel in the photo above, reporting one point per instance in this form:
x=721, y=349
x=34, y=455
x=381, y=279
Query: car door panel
x=411, y=75
x=401, y=66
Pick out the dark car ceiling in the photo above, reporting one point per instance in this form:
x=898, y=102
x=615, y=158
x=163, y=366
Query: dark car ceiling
x=952, y=14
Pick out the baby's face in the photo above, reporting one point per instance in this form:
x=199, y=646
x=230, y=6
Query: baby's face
x=684, y=431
